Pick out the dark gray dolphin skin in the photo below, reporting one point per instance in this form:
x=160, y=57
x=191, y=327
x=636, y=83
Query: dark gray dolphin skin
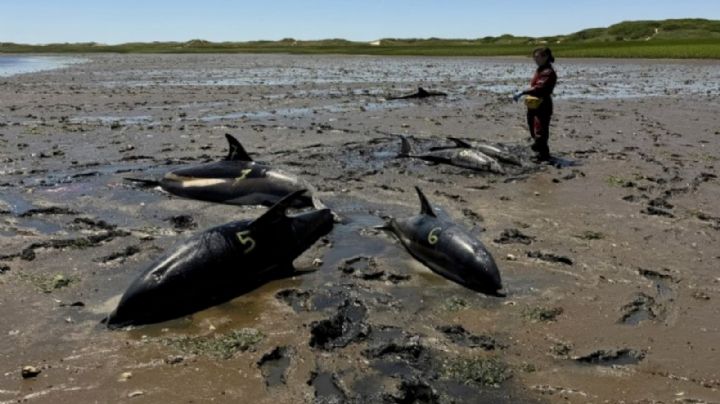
x=221, y=263
x=421, y=93
x=237, y=180
x=496, y=151
x=460, y=157
x=447, y=249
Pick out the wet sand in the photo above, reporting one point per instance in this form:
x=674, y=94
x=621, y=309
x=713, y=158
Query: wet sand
x=612, y=294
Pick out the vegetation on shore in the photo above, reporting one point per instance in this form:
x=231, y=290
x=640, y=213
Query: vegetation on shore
x=684, y=38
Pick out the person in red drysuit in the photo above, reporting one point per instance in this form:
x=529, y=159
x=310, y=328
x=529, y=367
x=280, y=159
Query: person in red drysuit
x=541, y=86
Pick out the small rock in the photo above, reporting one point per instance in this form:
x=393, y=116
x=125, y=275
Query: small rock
x=317, y=262
x=29, y=372
x=125, y=376
x=136, y=393
x=174, y=360
x=511, y=257
x=700, y=295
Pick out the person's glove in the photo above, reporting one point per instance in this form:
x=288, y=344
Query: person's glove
x=517, y=96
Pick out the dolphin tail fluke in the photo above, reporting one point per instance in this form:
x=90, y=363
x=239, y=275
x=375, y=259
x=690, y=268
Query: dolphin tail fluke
x=425, y=207
x=236, y=152
x=460, y=142
x=405, y=148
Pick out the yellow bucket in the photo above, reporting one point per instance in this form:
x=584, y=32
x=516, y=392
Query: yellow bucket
x=532, y=102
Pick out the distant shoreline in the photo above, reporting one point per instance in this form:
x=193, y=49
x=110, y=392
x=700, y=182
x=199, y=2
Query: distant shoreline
x=666, y=49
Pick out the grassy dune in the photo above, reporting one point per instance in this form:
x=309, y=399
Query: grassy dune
x=688, y=38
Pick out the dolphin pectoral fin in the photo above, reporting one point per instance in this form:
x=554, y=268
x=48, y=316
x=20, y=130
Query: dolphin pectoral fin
x=236, y=152
x=318, y=204
x=425, y=207
x=277, y=211
x=460, y=142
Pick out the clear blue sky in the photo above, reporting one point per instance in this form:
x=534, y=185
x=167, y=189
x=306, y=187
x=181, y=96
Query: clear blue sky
x=118, y=21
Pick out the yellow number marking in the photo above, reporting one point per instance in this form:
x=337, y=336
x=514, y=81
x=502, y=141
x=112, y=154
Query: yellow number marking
x=243, y=238
x=243, y=174
x=432, y=236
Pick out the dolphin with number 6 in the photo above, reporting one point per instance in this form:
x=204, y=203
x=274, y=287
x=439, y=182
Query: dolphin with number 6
x=221, y=263
x=447, y=249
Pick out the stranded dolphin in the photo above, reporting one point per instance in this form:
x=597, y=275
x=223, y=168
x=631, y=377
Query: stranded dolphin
x=221, y=263
x=421, y=93
x=460, y=157
x=493, y=150
x=237, y=180
x=446, y=248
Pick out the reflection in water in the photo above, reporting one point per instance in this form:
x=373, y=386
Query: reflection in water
x=12, y=65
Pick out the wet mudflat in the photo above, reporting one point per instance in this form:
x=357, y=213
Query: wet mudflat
x=610, y=264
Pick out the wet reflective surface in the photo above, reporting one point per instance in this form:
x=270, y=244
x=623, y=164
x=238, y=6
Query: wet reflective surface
x=609, y=298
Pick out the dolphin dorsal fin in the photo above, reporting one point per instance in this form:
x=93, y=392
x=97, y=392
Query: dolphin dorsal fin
x=277, y=211
x=405, y=148
x=425, y=207
x=460, y=142
x=422, y=92
x=237, y=152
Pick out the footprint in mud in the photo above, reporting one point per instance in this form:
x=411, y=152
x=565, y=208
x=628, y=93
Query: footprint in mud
x=299, y=300
x=327, y=390
x=642, y=308
x=603, y=357
x=413, y=391
x=182, y=222
x=395, y=353
x=645, y=307
x=345, y=327
x=29, y=254
x=119, y=256
x=510, y=236
x=366, y=268
x=460, y=336
x=659, y=207
x=550, y=257
x=274, y=365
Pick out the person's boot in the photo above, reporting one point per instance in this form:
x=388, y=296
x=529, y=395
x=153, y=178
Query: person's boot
x=543, y=152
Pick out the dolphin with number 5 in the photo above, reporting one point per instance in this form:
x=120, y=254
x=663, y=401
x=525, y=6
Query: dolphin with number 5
x=446, y=248
x=221, y=263
x=237, y=180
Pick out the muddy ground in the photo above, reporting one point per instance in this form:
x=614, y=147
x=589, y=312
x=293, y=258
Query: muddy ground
x=610, y=264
